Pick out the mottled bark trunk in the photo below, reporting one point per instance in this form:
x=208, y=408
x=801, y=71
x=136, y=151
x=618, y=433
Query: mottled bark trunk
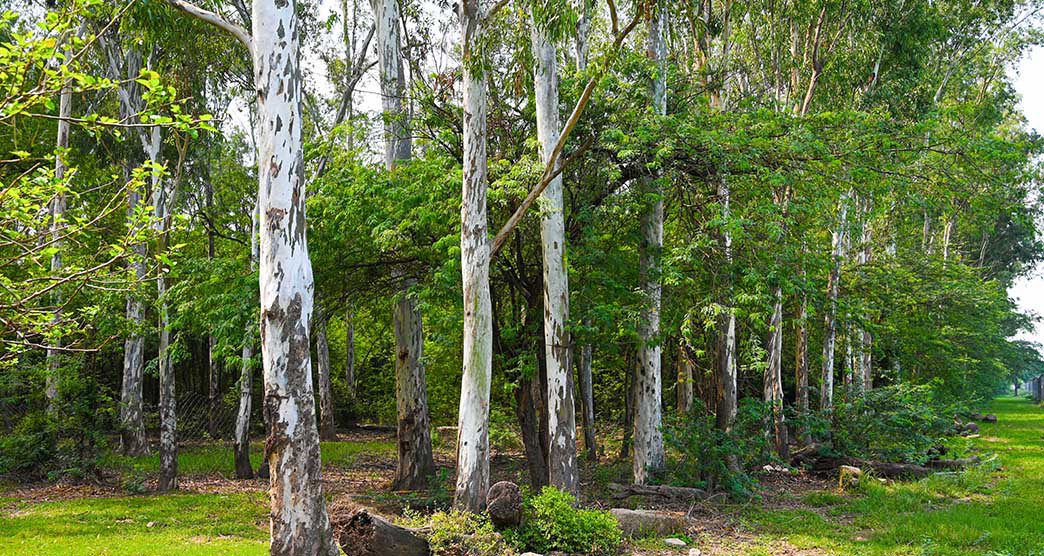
x=162, y=202
x=684, y=390
x=416, y=462
x=727, y=400
x=473, y=416
x=349, y=353
x=584, y=363
x=562, y=464
x=132, y=419
x=57, y=223
x=327, y=428
x=826, y=389
x=801, y=369
x=213, y=396
x=774, y=378
x=299, y=522
x=648, y=438
x=629, y=398
x=241, y=446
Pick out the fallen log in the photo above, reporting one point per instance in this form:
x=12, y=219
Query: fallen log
x=367, y=534
x=663, y=492
x=649, y=522
x=959, y=463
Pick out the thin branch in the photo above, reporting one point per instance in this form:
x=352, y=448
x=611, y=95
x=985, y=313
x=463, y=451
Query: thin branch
x=216, y=20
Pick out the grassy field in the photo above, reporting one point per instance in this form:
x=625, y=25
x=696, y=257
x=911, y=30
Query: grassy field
x=995, y=509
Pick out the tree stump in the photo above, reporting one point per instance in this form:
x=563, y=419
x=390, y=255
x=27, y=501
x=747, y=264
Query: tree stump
x=504, y=504
x=644, y=522
x=368, y=534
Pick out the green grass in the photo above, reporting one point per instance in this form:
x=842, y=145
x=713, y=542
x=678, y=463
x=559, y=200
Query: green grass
x=205, y=459
x=182, y=525
x=983, y=511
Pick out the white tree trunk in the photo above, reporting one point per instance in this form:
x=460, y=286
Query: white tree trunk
x=826, y=390
x=801, y=367
x=299, y=522
x=727, y=401
x=648, y=439
x=244, y=469
x=586, y=381
x=132, y=419
x=684, y=387
x=562, y=466
x=161, y=202
x=327, y=428
x=473, y=417
x=774, y=377
x=57, y=223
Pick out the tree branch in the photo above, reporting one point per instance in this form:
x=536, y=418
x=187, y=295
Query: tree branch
x=216, y=20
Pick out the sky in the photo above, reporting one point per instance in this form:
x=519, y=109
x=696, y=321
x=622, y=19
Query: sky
x=1029, y=82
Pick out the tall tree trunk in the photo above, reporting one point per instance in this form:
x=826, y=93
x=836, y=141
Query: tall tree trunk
x=214, y=397
x=826, y=389
x=132, y=418
x=241, y=447
x=416, y=462
x=801, y=369
x=727, y=401
x=300, y=525
x=774, y=378
x=473, y=421
x=57, y=223
x=684, y=387
x=562, y=463
x=648, y=439
x=162, y=202
x=528, y=389
x=327, y=428
x=349, y=352
x=584, y=363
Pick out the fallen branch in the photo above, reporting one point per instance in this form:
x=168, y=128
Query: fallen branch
x=367, y=534
x=646, y=522
x=657, y=491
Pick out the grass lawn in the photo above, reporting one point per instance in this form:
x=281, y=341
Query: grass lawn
x=983, y=511
x=995, y=509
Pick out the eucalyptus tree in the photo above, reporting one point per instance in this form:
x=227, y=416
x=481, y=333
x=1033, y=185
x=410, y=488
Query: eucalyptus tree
x=299, y=521
x=416, y=462
x=648, y=438
x=561, y=414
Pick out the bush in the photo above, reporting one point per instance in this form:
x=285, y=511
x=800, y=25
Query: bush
x=552, y=522
x=457, y=533
x=893, y=423
x=30, y=446
x=700, y=453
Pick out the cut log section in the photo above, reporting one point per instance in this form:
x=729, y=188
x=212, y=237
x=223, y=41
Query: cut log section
x=649, y=522
x=367, y=534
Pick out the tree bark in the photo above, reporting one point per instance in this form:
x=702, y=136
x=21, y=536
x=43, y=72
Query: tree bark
x=826, y=389
x=415, y=462
x=563, y=471
x=648, y=438
x=132, y=417
x=584, y=363
x=299, y=522
x=774, y=377
x=367, y=534
x=684, y=386
x=528, y=421
x=473, y=420
x=241, y=447
x=727, y=400
x=213, y=395
x=327, y=428
x=801, y=368
x=61, y=165
x=349, y=353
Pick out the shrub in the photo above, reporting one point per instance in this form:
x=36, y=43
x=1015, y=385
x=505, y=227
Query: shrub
x=457, y=533
x=700, y=453
x=893, y=423
x=30, y=446
x=552, y=522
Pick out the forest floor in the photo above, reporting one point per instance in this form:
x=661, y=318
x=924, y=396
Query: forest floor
x=993, y=509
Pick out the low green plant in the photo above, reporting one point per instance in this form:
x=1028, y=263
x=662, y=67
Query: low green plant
x=457, y=533
x=893, y=423
x=552, y=522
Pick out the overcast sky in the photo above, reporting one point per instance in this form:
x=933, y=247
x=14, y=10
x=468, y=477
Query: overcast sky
x=1029, y=82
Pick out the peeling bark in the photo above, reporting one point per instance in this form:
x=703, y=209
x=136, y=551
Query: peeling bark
x=563, y=470
x=299, y=522
x=648, y=438
x=473, y=417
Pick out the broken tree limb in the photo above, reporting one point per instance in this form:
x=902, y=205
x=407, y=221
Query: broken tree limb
x=367, y=534
x=959, y=463
x=657, y=491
